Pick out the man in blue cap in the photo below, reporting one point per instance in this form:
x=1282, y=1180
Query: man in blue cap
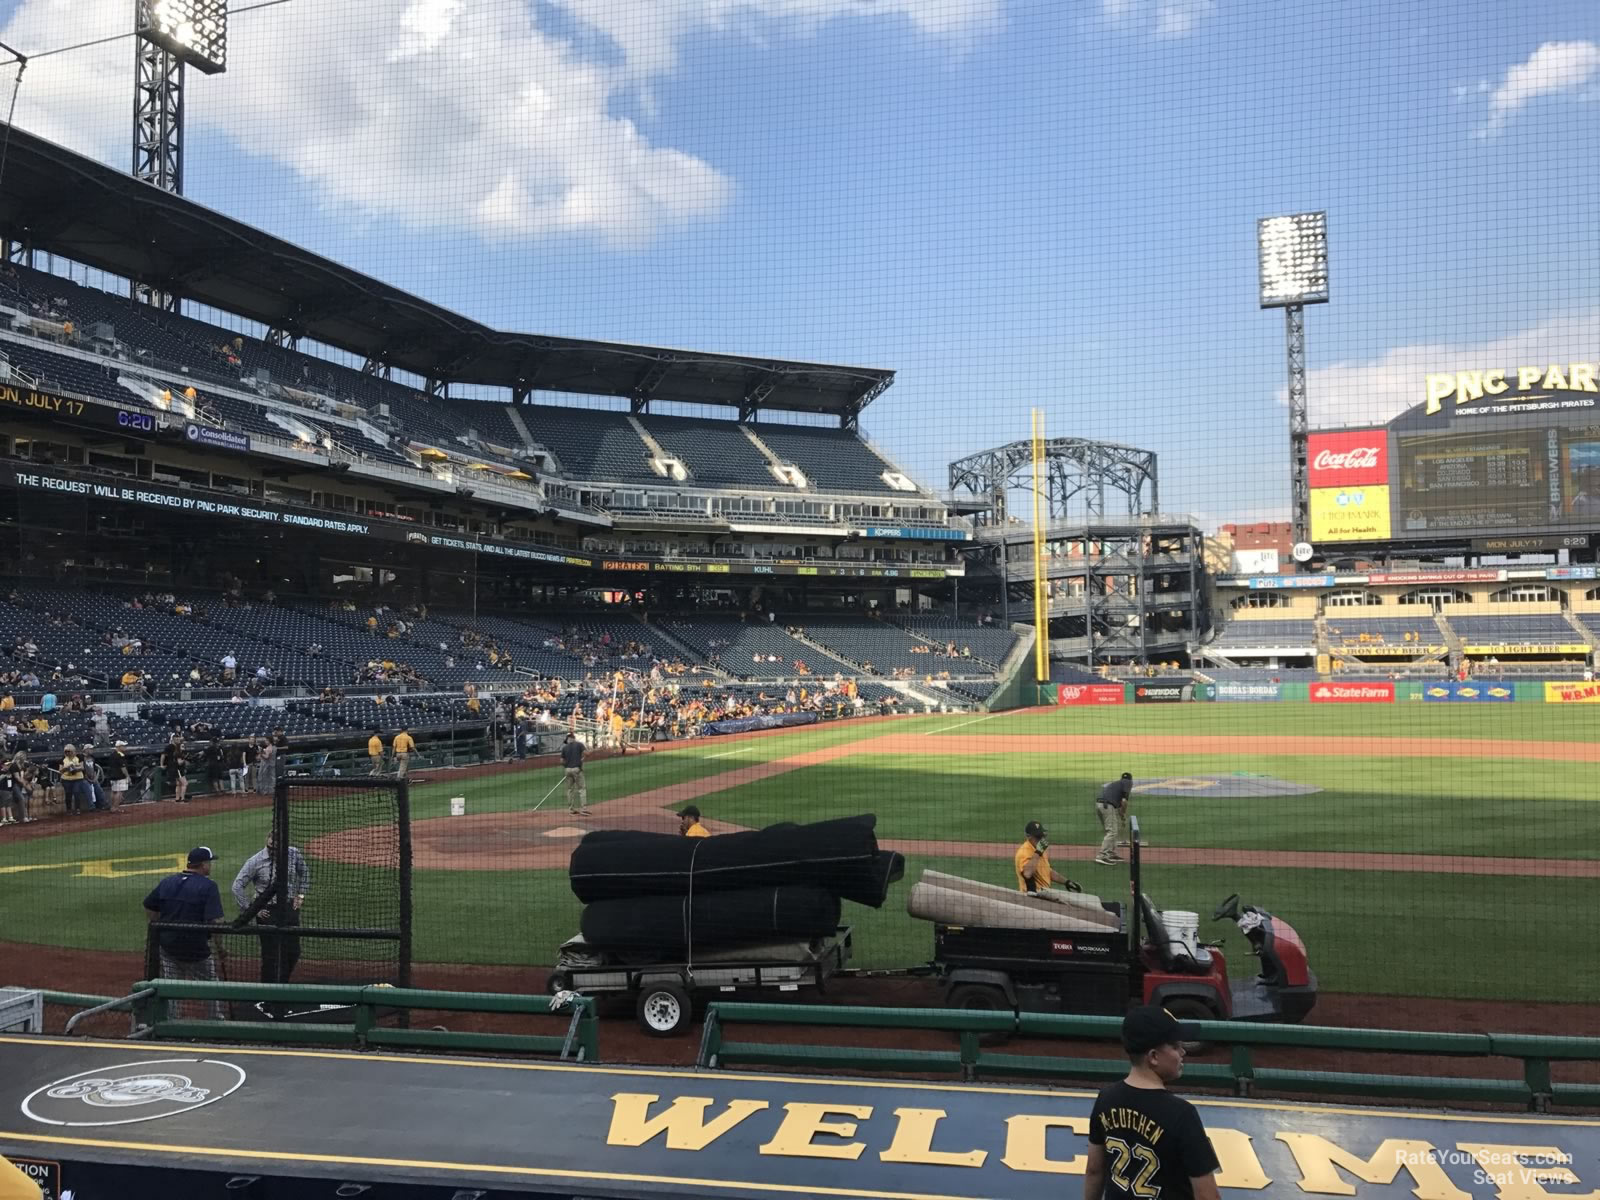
x=189, y=898
x=1143, y=1140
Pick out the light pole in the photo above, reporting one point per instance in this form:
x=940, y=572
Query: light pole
x=172, y=34
x=1294, y=273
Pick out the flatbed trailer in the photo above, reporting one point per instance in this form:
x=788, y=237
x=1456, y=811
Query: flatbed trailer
x=664, y=992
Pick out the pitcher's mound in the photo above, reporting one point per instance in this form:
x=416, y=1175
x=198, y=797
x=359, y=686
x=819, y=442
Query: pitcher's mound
x=1223, y=787
x=564, y=831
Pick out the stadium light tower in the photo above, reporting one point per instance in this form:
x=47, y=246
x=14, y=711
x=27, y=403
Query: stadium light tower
x=171, y=34
x=1294, y=273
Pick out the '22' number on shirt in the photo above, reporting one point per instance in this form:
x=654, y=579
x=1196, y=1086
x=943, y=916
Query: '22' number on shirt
x=1123, y=1154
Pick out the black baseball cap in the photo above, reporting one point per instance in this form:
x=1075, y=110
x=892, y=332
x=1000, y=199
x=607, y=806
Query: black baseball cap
x=1034, y=829
x=1127, y=774
x=689, y=810
x=1150, y=1026
x=201, y=854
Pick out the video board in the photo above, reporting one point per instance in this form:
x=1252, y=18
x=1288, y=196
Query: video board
x=1493, y=453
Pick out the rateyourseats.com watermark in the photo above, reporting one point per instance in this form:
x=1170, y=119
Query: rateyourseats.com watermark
x=1497, y=1164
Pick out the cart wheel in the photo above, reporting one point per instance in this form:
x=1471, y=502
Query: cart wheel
x=980, y=997
x=1193, y=1010
x=663, y=1009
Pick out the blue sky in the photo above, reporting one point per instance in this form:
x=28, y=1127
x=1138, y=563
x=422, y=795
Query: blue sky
x=1011, y=202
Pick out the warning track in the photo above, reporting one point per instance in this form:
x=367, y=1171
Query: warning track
x=543, y=840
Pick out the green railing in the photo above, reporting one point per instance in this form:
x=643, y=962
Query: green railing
x=357, y=1015
x=971, y=1059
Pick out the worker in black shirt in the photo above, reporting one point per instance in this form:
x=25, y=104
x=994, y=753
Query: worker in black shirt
x=1143, y=1140
x=1111, y=807
x=572, y=763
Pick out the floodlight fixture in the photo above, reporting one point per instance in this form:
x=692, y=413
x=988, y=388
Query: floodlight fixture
x=1294, y=259
x=192, y=31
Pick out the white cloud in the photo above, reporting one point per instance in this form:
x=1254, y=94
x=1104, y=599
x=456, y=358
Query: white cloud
x=1553, y=68
x=1177, y=18
x=1364, y=393
x=442, y=115
x=1159, y=18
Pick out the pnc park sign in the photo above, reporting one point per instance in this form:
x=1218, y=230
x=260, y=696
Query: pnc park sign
x=1523, y=384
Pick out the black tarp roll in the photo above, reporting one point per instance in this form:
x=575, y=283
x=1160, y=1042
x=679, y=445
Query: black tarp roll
x=840, y=856
x=663, y=925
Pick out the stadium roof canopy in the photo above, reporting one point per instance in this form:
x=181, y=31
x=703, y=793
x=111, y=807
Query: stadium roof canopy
x=65, y=203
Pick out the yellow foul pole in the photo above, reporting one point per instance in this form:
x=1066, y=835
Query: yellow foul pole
x=1041, y=607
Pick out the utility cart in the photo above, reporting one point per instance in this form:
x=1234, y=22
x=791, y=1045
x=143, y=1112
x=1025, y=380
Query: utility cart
x=1135, y=960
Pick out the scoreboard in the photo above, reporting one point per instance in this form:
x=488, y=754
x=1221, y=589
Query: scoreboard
x=1464, y=470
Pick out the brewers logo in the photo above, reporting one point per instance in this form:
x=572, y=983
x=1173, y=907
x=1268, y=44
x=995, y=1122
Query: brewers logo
x=132, y=1092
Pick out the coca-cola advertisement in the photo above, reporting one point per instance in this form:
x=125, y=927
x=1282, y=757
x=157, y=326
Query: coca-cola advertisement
x=1089, y=693
x=1352, y=457
x=1353, y=693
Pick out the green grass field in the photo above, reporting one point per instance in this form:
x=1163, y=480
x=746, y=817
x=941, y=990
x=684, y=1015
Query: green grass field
x=1515, y=935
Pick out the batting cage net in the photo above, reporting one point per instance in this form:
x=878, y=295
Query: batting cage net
x=325, y=899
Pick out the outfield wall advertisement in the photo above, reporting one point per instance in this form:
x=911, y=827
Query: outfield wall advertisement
x=1161, y=693
x=1381, y=692
x=1071, y=694
x=1468, y=693
x=1572, y=693
x=1249, y=691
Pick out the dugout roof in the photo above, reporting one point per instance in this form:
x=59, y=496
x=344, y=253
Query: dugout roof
x=71, y=205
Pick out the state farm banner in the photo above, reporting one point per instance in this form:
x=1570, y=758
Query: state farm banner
x=1160, y=693
x=1089, y=693
x=1452, y=692
x=1572, y=693
x=1353, y=693
x=1350, y=458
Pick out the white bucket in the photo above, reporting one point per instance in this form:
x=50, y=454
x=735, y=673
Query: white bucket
x=458, y=806
x=1183, y=929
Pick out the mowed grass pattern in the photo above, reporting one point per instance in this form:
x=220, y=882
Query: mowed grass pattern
x=1509, y=936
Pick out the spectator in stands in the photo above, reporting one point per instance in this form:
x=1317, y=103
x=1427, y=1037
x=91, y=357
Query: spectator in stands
x=7, y=702
x=47, y=703
x=119, y=774
x=16, y=785
x=238, y=768
x=175, y=768
x=403, y=746
x=230, y=667
x=78, y=797
x=94, y=778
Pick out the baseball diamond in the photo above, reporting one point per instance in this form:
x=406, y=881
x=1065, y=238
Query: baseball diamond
x=1388, y=834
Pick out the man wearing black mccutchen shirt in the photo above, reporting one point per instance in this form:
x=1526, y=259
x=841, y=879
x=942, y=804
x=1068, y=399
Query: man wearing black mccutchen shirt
x=1145, y=1142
